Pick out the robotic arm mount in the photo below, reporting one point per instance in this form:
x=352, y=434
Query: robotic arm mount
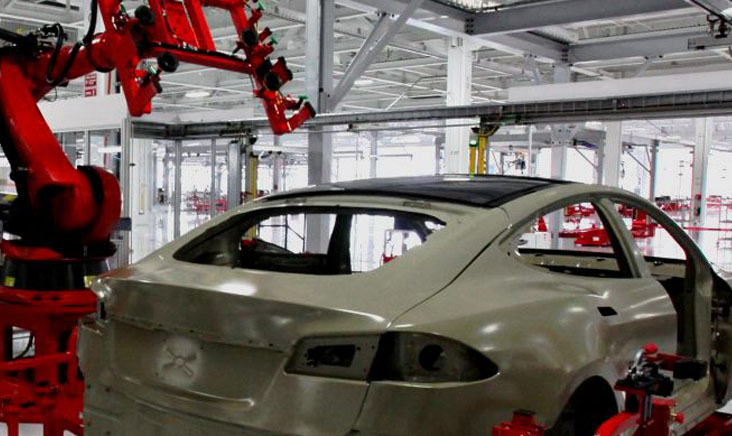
x=79, y=208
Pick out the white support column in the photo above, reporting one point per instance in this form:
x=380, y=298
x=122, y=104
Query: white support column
x=439, y=146
x=374, y=155
x=600, y=163
x=87, y=148
x=278, y=161
x=167, y=162
x=178, y=186
x=214, y=194
x=459, y=82
x=319, y=81
x=702, y=148
x=277, y=166
x=654, y=170
x=530, y=154
x=125, y=170
x=561, y=133
x=235, y=164
x=613, y=153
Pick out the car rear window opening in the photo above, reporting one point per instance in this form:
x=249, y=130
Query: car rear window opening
x=319, y=241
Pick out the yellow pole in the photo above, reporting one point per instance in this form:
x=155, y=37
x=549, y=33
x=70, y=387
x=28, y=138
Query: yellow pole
x=252, y=188
x=482, y=146
x=473, y=155
x=253, y=176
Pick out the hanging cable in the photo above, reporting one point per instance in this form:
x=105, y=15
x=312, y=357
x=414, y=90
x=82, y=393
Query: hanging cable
x=61, y=38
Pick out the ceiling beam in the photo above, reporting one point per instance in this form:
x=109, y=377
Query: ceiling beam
x=646, y=45
x=534, y=16
x=719, y=8
x=384, y=30
x=441, y=11
x=451, y=22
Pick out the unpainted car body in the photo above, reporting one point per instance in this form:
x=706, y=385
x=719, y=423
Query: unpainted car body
x=186, y=348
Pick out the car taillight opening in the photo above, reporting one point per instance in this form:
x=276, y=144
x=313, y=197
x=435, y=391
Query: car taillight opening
x=331, y=355
x=423, y=358
x=406, y=357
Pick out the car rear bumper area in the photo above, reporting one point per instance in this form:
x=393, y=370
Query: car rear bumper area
x=134, y=418
x=150, y=382
x=177, y=385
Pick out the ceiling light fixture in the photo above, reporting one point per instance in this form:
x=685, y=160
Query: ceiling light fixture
x=363, y=82
x=199, y=93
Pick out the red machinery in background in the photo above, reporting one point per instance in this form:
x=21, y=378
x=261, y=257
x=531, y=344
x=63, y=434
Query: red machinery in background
x=63, y=216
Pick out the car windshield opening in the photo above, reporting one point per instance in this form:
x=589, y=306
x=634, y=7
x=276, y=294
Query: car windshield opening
x=320, y=241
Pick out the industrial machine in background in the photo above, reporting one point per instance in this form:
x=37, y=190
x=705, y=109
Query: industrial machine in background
x=63, y=216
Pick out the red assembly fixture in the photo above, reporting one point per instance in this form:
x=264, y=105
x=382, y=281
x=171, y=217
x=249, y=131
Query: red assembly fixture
x=649, y=408
x=63, y=216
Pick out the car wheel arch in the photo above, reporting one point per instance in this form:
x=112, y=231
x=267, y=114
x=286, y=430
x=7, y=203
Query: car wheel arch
x=598, y=376
x=593, y=401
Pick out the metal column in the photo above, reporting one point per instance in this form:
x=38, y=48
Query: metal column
x=561, y=133
x=278, y=166
x=166, y=174
x=439, y=146
x=87, y=148
x=319, y=80
x=654, y=170
x=612, y=154
x=278, y=161
x=374, y=156
x=702, y=148
x=459, y=82
x=214, y=189
x=530, y=157
x=177, y=194
x=234, y=162
x=126, y=182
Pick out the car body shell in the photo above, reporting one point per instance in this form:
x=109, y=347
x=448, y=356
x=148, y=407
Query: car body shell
x=200, y=349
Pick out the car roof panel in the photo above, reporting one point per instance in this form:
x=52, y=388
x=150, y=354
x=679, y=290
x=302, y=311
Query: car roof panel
x=481, y=191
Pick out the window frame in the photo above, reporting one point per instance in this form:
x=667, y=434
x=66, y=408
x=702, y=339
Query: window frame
x=244, y=221
x=695, y=258
x=627, y=263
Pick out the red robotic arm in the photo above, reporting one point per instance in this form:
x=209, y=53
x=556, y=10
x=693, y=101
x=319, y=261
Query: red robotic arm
x=79, y=208
x=64, y=215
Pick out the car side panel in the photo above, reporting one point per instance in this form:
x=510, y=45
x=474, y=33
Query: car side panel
x=214, y=316
x=542, y=329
